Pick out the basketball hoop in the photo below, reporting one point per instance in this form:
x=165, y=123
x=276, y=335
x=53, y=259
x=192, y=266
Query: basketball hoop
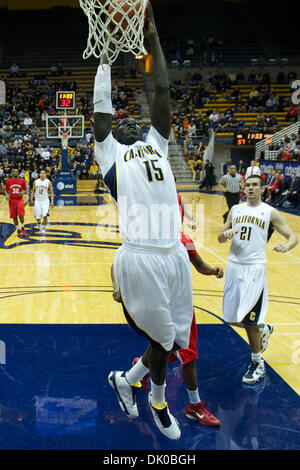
x=107, y=37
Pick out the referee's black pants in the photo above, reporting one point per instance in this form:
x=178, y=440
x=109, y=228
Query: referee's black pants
x=232, y=199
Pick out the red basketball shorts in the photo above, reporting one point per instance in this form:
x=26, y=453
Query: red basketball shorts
x=16, y=208
x=190, y=354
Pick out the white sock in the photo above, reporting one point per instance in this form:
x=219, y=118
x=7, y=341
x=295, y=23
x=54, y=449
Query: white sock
x=194, y=396
x=17, y=227
x=136, y=373
x=256, y=357
x=22, y=225
x=158, y=395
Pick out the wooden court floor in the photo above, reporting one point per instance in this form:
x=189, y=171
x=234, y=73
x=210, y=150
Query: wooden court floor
x=64, y=277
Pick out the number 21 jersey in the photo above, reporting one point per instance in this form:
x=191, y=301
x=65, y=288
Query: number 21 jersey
x=251, y=223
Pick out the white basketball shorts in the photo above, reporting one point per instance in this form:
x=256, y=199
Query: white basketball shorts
x=41, y=209
x=156, y=291
x=245, y=296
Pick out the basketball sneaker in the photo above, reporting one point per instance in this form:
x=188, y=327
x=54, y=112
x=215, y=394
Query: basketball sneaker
x=144, y=380
x=43, y=231
x=265, y=335
x=255, y=372
x=19, y=232
x=23, y=232
x=126, y=393
x=198, y=412
x=166, y=423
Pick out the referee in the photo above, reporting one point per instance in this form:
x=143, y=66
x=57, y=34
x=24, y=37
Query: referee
x=231, y=184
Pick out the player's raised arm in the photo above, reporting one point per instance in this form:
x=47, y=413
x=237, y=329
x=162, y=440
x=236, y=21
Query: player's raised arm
x=161, y=107
x=281, y=226
x=102, y=102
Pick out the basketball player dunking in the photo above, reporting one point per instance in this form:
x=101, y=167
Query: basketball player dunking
x=15, y=189
x=152, y=268
x=196, y=408
x=245, y=299
x=42, y=189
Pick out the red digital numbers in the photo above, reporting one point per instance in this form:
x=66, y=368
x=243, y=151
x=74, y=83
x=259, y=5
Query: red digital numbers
x=65, y=103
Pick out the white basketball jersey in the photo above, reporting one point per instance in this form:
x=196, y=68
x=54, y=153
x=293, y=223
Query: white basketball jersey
x=248, y=246
x=41, y=189
x=142, y=184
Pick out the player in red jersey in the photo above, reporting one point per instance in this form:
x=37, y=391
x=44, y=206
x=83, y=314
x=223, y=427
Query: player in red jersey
x=196, y=408
x=15, y=189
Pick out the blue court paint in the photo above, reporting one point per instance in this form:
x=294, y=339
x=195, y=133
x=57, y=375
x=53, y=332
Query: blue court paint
x=54, y=393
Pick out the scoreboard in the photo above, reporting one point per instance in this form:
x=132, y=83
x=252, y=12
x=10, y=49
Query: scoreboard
x=65, y=99
x=250, y=138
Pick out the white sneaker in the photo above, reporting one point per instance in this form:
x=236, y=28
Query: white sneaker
x=265, y=335
x=166, y=423
x=43, y=231
x=126, y=393
x=255, y=372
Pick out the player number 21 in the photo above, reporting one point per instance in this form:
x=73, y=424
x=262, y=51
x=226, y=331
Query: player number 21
x=157, y=171
x=245, y=233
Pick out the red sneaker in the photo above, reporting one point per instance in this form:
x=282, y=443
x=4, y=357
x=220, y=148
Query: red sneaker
x=201, y=414
x=19, y=232
x=24, y=232
x=144, y=380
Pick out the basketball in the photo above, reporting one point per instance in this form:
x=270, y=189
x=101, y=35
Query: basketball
x=129, y=9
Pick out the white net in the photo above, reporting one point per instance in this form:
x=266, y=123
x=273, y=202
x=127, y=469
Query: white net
x=114, y=26
x=64, y=140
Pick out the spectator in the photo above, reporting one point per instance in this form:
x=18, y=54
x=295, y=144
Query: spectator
x=253, y=169
x=292, y=114
x=291, y=192
x=14, y=70
x=209, y=176
x=94, y=170
x=227, y=165
x=28, y=121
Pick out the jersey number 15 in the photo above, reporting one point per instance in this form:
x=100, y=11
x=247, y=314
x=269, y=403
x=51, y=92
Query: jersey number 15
x=158, y=174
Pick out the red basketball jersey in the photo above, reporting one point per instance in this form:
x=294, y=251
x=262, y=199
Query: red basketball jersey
x=14, y=186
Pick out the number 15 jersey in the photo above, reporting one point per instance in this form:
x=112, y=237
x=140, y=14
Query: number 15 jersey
x=251, y=223
x=142, y=185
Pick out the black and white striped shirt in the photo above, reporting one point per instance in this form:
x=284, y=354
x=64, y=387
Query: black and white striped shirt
x=232, y=183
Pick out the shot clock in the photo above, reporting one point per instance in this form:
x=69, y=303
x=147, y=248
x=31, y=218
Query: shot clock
x=65, y=100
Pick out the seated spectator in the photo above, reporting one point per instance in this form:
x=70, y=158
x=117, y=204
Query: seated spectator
x=292, y=114
x=291, y=192
x=94, y=170
x=28, y=121
x=286, y=155
x=197, y=168
x=53, y=70
x=222, y=123
x=14, y=70
x=276, y=187
x=192, y=129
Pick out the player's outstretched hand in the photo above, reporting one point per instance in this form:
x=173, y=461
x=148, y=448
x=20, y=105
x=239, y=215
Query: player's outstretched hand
x=280, y=248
